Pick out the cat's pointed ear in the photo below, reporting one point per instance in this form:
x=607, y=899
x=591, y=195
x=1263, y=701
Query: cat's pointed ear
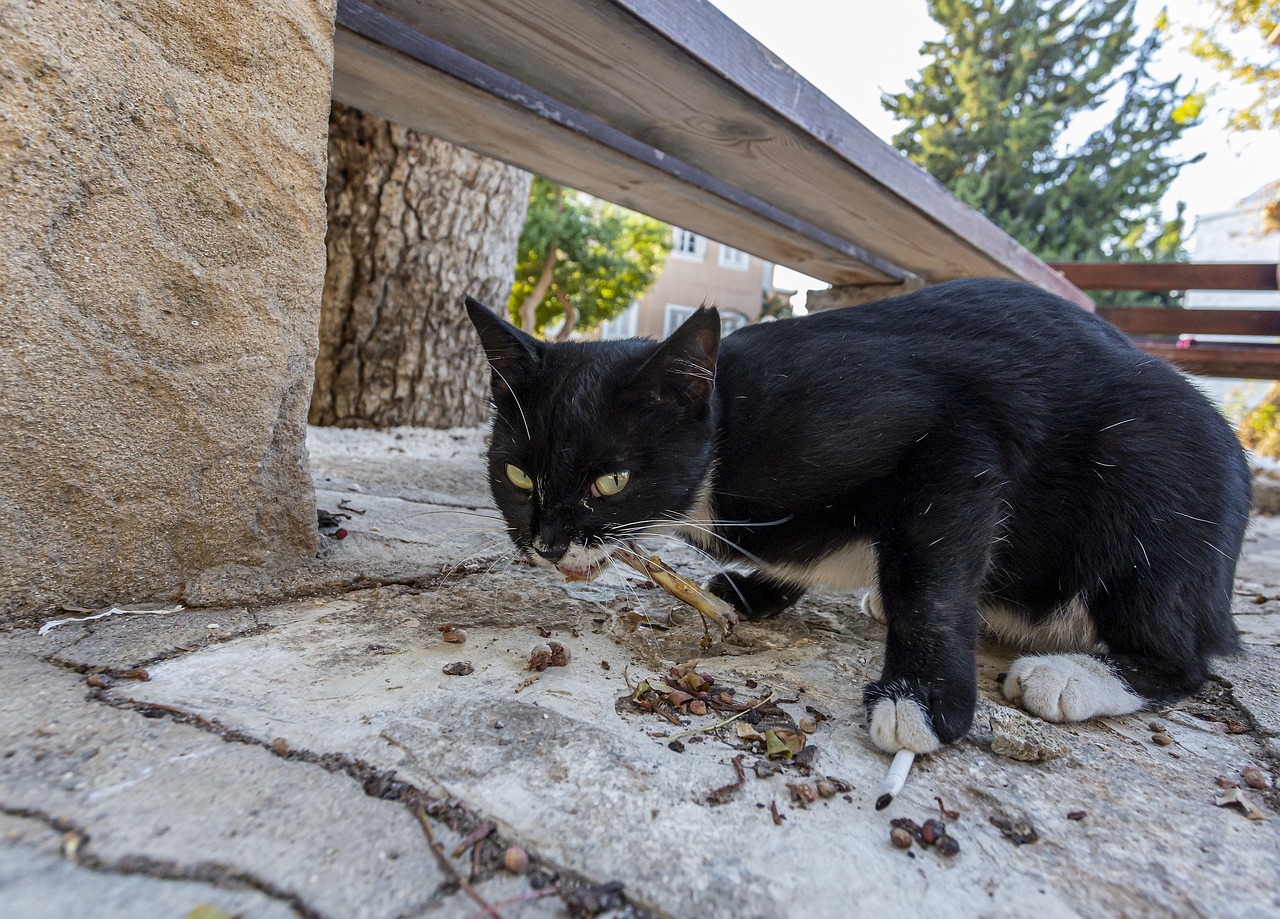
x=510, y=350
x=684, y=366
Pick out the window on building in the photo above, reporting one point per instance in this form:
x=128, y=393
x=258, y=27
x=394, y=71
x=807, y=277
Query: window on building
x=688, y=245
x=676, y=315
x=624, y=325
x=734, y=258
x=731, y=321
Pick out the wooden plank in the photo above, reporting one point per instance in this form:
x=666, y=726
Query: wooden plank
x=567, y=148
x=1155, y=320
x=686, y=81
x=1259, y=363
x=1158, y=276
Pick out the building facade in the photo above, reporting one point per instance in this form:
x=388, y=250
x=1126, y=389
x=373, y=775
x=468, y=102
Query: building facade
x=698, y=271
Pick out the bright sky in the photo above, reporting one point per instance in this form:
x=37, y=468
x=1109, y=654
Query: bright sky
x=853, y=50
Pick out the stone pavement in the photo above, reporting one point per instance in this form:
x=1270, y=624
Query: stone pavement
x=289, y=757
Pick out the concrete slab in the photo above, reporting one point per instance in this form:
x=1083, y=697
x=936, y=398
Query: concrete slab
x=37, y=878
x=568, y=767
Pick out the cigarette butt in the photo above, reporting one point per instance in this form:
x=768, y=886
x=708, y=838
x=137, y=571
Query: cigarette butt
x=896, y=778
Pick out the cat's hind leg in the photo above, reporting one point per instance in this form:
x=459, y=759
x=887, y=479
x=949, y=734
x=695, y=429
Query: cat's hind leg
x=1158, y=634
x=754, y=595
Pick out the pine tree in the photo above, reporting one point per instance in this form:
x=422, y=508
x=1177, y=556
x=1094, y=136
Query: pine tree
x=994, y=112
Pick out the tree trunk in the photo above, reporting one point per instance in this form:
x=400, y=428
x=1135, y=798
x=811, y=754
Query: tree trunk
x=414, y=224
x=570, y=317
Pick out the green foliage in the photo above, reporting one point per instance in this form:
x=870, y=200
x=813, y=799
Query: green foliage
x=989, y=114
x=605, y=256
x=1235, y=43
x=1260, y=429
x=776, y=307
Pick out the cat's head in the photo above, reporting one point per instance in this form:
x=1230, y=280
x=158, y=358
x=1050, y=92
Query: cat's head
x=594, y=443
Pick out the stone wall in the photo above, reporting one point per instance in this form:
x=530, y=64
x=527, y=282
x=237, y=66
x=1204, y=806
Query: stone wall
x=161, y=261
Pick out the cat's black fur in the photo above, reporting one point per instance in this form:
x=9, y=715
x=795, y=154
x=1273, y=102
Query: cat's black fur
x=983, y=443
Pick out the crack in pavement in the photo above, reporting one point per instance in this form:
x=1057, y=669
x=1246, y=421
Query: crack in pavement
x=376, y=782
x=218, y=874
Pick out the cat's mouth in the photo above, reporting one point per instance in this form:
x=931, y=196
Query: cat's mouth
x=589, y=573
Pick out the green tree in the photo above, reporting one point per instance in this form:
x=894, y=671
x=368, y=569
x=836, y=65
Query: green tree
x=1242, y=42
x=582, y=259
x=993, y=111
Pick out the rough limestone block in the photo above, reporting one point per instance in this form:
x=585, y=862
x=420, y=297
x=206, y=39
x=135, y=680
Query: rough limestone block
x=161, y=261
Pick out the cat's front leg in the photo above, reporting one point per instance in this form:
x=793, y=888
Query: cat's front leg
x=928, y=688
x=754, y=595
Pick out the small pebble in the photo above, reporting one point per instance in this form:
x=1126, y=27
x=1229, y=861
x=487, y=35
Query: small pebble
x=459, y=668
x=676, y=745
x=948, y=847
x=138, y=674
x=280, y=747
x=808, y=725
x=98, y=681
x=1161, y=740
x=1156, y=727
x=900, y=838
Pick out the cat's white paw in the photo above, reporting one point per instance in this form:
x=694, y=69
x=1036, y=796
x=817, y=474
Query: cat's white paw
x=1068, y=687
x=902, y=724
x=871, y=605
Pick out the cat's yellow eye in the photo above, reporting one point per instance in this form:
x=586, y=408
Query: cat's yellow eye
x=519, y=478
x=609, y=484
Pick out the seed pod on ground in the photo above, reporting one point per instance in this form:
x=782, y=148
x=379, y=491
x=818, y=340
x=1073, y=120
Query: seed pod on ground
x=451, y=633
x=540, y=657
x=559, y=654
x=1255, y=777
x=948, y=846
x=932, y=831
x=900, y=838
x=1161, y=740
x=516, y=860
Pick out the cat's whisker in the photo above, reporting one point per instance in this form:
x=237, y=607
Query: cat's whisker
x=690, y=524
x=516, y=399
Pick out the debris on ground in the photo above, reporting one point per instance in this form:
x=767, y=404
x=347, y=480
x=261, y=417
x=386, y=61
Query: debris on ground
x=451, y=633
x=103, y=613
x=1018, y=832
x=1019, y=737
x=1255, y=777
x=459, y=668
x=724, y=793
x=1235, y=797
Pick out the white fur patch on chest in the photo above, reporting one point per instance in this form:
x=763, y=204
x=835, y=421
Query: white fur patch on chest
x=850, y=568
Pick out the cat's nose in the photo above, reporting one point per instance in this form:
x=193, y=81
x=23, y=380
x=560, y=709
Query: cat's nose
x=552, y=549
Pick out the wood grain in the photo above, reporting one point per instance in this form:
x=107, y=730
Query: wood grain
x=1260, y=363
x=1155, y=320
x=681, y=77
x=1157, y=276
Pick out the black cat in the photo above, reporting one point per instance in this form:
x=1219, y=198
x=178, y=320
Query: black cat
x=981, y=454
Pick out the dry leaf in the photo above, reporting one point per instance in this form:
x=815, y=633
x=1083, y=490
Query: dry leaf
x=1237, y=797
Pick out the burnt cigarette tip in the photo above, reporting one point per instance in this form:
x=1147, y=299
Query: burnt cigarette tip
x=884, y=801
